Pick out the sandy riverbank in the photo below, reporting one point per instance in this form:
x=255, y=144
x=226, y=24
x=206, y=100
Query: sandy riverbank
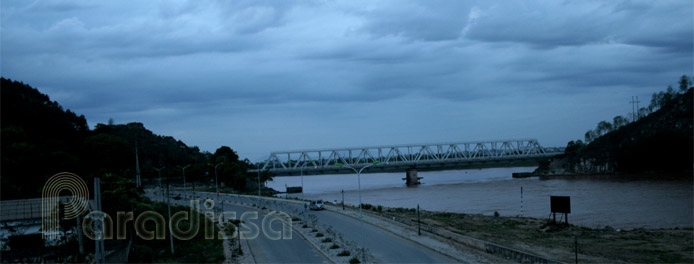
x=557, y=242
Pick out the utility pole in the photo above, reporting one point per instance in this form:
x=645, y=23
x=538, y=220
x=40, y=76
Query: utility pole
x=159, y=171
x=79, y=234
x=258, y=179
x=185, y=192
x=99, y=253
x=521, y=201
x=168, y=204
x=137, y=167
x=634, y=107
x=576, y=248
x=419, y=223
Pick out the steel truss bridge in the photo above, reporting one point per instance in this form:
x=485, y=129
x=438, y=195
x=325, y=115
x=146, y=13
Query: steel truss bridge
x=398, y=157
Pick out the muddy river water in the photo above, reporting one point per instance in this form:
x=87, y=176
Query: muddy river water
x=594, y=202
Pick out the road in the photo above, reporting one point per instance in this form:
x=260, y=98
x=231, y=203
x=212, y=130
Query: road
x=383, y=245
x=266, y=250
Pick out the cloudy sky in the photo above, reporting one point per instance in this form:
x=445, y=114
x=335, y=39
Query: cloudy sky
x=262, y=76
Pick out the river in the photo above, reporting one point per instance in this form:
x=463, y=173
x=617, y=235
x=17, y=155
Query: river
x=594, y=202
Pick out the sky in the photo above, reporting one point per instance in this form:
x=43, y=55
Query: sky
x=262, y=76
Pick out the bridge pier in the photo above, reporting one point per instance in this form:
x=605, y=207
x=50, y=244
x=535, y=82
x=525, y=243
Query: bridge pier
x=411, y=177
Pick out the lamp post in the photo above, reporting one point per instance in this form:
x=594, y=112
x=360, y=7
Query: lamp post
x=216, y=188
x=184, y=178
x=302, y=181
x=302, y=178
x=259, y=177
x=159, y=171
x=361, y=216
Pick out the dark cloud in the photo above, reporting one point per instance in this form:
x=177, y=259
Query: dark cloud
x=575, y=23
x=273, y=75
x=419, y=20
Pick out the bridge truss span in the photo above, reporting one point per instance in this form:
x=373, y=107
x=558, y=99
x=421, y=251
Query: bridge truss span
x=320, y=161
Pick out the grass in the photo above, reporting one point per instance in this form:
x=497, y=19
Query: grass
x=196, y=250
x=557, y=241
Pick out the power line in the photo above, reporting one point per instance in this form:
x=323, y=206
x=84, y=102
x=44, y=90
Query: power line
x=634, y=107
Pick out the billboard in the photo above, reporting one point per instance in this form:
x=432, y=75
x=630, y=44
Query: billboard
x=560, y=204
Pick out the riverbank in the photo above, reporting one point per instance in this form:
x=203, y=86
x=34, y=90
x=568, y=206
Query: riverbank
x=681, y=176
x=559, y=241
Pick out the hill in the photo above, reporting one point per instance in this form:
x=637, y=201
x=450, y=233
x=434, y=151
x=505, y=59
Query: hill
x=661, y=142
x=40, y=138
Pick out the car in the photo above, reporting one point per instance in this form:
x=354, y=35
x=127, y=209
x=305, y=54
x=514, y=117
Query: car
x=316, y=205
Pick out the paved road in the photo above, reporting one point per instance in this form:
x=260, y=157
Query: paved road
x=266, y=250
x=383, y=245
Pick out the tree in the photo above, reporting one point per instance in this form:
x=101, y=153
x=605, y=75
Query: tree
x=224, y=154
x=643, y=111
x=604, y=127
x=684, y=83
x=619, y=121
x=574, y=148
x=668, y=95
x=654, y=102
x=111, y=153
x=590, y=136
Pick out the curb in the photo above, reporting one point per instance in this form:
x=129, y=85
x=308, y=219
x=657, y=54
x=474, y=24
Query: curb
x=295, y=229
x=492, y=249
x=397, y=234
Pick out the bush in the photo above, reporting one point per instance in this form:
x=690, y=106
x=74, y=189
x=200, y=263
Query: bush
x=354, y=260
x=314, y=230
x=444, y=215
x=344, y=253
x=295, y=219
x=496, y=214
x=326, y=240
x=334, y=246
x=380, y=209
x=319, y=234
x=305, y=226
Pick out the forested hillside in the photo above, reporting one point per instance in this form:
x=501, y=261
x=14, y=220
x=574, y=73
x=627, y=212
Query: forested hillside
x=661, y=140
x=40, y=139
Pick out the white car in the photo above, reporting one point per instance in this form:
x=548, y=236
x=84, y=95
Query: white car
x=316, y=205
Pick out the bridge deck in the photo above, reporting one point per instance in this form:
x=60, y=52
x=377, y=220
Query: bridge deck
x=322, y=161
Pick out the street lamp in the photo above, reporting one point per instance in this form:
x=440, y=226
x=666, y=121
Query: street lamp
x=184, y=177
x=216, y=188
x=361, y=216
x=159, y=171
x=302, y=178
x=259, y=177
